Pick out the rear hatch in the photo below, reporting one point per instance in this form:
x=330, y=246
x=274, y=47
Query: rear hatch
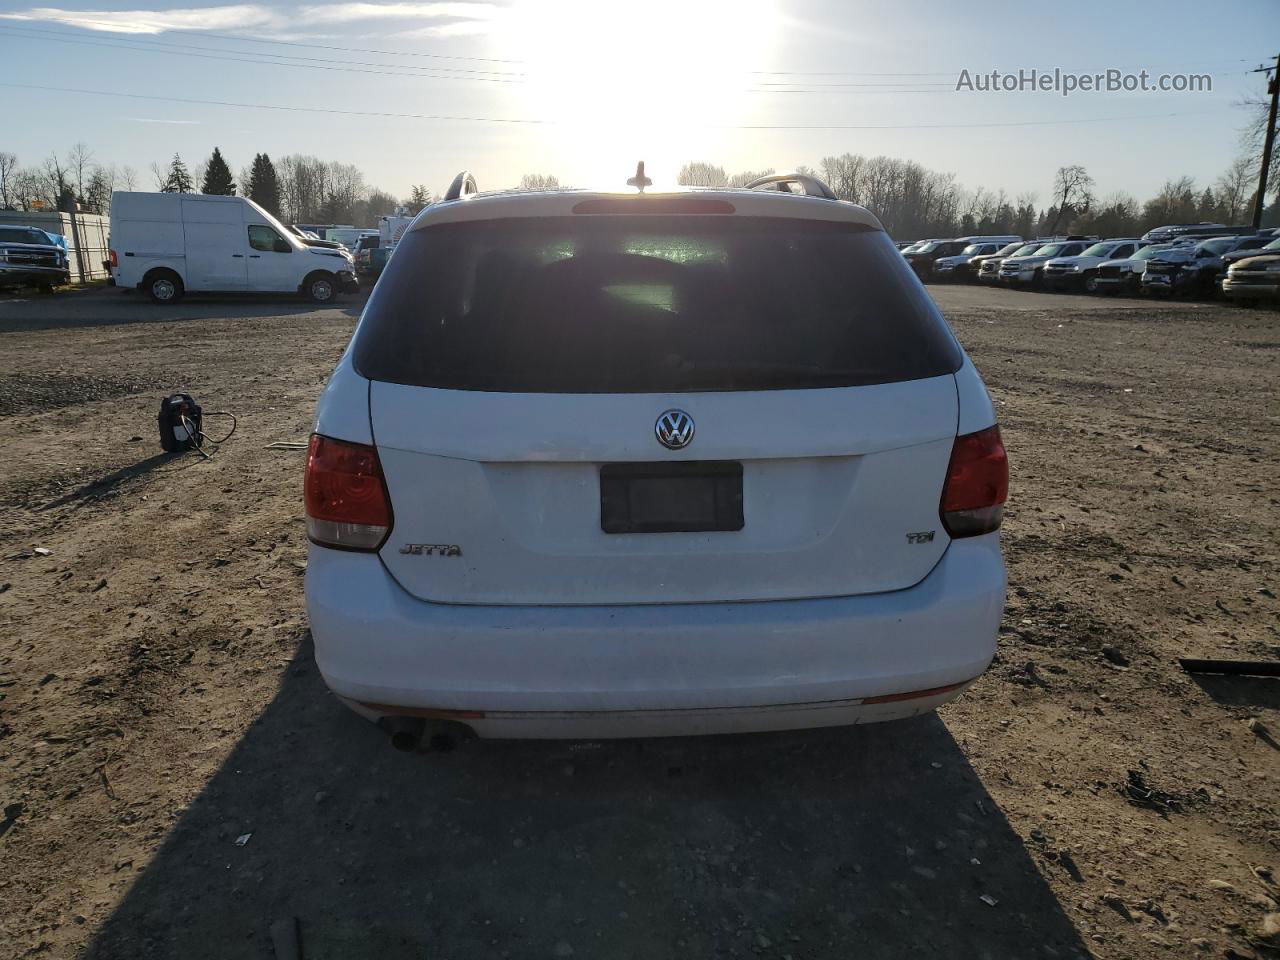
x=521, y=367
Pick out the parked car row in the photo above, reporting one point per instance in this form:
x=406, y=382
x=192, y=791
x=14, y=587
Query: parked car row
x=1181, y=259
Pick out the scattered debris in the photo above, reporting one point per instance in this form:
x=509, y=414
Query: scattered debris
x=243, y=839
x=1137, y=792
x=101, y=770
x=989, y=900
x=1267, y=934
x=1243, y=668
x=1267, y=880
x=1117, y=904
x=12, y=812
x=1153, y=910
x=1115, y=655
x=42, y=552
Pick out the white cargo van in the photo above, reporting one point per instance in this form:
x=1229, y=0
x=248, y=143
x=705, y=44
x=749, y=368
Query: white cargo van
x=170, y=243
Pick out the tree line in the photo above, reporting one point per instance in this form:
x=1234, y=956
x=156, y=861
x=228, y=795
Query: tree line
x=913, y=202
x=296, y=188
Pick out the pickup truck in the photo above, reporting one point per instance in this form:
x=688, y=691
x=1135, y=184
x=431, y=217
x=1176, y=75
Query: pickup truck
x=1194, y=269
x=29, y=258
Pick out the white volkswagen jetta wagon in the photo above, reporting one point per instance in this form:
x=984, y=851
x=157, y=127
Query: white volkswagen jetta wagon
x=602, y=464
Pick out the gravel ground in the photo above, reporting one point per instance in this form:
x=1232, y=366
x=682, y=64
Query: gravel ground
x=176, y=780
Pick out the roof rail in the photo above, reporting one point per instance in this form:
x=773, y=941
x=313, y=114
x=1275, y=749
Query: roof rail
x=813, y=187
x=463, y=185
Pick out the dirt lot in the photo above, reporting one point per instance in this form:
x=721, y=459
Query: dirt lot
x=158, y=698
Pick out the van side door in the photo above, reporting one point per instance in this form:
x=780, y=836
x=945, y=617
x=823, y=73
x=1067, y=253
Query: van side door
x=273, y=262
x=215, y=242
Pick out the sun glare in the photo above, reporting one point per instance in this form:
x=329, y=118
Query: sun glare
x=625, y=80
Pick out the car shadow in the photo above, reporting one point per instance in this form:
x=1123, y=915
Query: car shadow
x=1240, y=691
x=111, y=307
x=873, y=842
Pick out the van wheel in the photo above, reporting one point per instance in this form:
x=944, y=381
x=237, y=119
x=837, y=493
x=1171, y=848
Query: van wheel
x=163, y=286
x=320, y=288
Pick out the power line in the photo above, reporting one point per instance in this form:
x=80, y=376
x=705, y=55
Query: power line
x=393, y=70
x=543, y=121
x=135, y=42
x=79, y=21
x=447, y=73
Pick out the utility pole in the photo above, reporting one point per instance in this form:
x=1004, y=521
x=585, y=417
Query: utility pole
x=1268, y=142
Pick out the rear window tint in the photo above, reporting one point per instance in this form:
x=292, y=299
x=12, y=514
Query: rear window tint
x=650, y=304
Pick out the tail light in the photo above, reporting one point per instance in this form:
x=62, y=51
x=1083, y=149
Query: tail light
x=977, y=484
x=346, y=495
x=115, y=261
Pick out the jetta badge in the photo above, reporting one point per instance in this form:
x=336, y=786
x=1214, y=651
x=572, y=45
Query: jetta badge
x=674, y=429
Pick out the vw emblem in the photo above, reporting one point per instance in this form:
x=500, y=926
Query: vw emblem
x=674, y=429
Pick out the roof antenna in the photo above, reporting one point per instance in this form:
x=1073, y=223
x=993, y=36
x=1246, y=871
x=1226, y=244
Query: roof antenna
x=640, y=181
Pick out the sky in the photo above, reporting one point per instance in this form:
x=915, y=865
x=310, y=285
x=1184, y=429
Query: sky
x=413, y=92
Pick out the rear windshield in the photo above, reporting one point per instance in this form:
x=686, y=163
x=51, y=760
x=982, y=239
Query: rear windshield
x=650, y=304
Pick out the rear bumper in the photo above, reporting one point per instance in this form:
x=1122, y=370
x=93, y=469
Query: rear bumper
x=647, y=670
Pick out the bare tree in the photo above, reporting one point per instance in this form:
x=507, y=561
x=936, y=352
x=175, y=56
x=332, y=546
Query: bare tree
x=539, y=181
x=1252, y=137
x=1236, y=188
x=746, y=176
x=127, y=178
x=28, y=187
x=1116, y=215
x=79, y=167
x=98, y=190
x=160, y=174
x=844, y=175
x=58, y=189
x=1072, y=193
x=8, y=167
x=1175, y=203
x=699, y=174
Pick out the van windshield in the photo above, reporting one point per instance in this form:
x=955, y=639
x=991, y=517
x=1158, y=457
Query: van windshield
x=650, y=304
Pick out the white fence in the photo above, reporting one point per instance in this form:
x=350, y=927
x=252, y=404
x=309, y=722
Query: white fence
x=87, y=235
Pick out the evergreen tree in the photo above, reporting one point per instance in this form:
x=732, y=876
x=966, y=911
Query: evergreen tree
x=217, y=177
x=264, y=186
x=419, y=197
x=179, y=180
